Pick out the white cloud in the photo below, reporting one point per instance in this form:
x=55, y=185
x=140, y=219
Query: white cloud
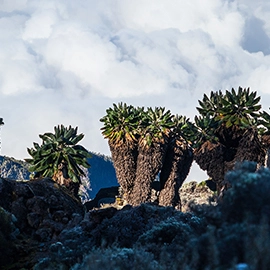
x=67, y=61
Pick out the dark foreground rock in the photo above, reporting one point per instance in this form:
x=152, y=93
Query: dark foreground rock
x=43, y=226
x=37, y=210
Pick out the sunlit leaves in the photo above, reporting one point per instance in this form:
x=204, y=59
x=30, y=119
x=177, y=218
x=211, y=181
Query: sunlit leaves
x=58, y=148
x=239, y=108
x=126, y=124
x=156, y=123
x=120, y=124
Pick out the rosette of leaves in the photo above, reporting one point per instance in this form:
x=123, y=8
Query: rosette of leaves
x=205, y=130
x=121, y=128
x=234, y=108
x=154, y=131
x=184, y=128
x=59, y=151
x=239, y=108
x=120, y=124
x=155, y=126
x=210, y=106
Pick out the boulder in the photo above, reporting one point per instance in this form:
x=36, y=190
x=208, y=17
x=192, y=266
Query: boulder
x=42, y=210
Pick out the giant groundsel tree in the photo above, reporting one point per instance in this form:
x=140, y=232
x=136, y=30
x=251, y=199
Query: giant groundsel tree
x=138, y=141
x=152, y=146
x=120, y=127
x=228, y=132
x=60, y=157
x=229, y=128
x=177, y=161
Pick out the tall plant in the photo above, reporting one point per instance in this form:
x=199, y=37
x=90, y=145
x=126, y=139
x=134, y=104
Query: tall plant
x=60, y=157
x=120, y=127
x=177, y=163
x=230, y=121
x=152, y=145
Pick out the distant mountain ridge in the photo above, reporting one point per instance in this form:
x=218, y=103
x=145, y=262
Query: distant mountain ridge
x=101, y=173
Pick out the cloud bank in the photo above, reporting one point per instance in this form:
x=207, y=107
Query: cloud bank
x=65, y=62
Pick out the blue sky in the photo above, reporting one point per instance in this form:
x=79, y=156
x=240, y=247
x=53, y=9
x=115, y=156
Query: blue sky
x=65, y=62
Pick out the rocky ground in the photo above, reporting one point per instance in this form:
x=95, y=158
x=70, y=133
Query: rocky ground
x=42, y=226
x=40, y=219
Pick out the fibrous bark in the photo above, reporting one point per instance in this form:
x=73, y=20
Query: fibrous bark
x=250, y=148
x=62, y=178
x=124, y=158
x=175, y=169
x=266, y=146
x=210, y=158
x=149, y=163
x=217, y=159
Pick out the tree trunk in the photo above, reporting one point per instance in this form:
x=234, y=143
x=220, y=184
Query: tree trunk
x=124, y=158
x=149, y=163
x=250, y=148
x=176, y=167
x=267, y=158
x=266, y=145
x=210, y=158
x=217, y=159
x=62, y=178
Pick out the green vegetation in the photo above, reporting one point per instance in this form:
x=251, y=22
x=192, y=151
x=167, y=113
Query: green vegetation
x=152, y=145
x=59, y=156
x=230, y=128
x=139, y=140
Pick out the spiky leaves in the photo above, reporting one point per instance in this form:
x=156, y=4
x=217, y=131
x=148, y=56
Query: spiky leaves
x=121, y=124
x=177, y=163
x=155, y=126
x=227, y=119
x=154, y=133
x=232, y=108
x=121, y=127
x=204, y=130
x=59, y=151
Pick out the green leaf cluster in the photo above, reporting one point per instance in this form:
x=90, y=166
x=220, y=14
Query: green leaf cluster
x=264, y=123
x=155, y=124
x=126, y=124
x=233, y=108
x=58, y=148
x=238, y=109
x=183, y=127
x=121, y=123
x=205, y=130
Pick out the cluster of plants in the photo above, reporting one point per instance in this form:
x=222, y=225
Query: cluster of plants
x=234, y=233
x=229, y=128
x=149, y=144
x=232, y=129
x=146, y=143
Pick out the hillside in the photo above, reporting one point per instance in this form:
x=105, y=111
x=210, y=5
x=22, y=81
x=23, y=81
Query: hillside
x=101, y=173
